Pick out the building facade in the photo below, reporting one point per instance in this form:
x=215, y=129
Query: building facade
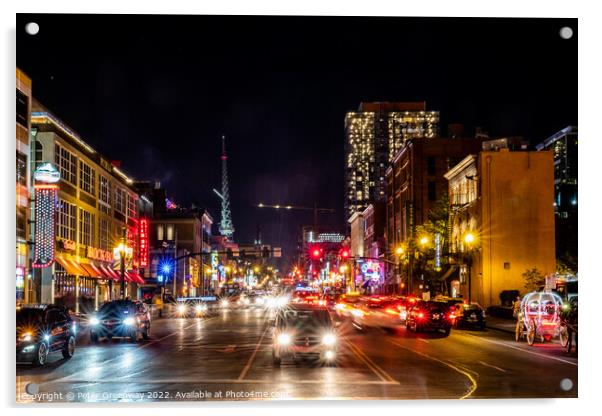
x=96, y=211
x=356, y=243
x=24, y=292
x=373, y=136
x=503, y=200
x=563, y=145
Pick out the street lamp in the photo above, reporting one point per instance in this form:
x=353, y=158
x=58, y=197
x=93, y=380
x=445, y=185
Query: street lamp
x=469, y=239
x=122, y=251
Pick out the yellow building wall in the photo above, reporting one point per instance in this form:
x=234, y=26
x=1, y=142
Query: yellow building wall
x=517, y=221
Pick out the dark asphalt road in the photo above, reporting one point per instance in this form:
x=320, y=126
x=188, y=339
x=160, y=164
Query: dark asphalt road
x=228, y=357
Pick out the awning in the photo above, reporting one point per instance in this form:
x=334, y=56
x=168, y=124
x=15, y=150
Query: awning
x=92, y=270
x=71, y=267
x=110, y=273
x=134, y=277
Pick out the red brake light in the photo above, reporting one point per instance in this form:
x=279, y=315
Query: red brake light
x=420, y=315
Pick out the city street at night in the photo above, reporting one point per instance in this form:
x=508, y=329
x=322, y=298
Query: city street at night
x=230, y=354
x=228, y=208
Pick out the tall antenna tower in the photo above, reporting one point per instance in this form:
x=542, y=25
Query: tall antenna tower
x=225, y=226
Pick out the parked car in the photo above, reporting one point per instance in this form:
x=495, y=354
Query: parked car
x=468, y=315
x=303, y=331
x=120, y=318
x=43, y=329
x=429, y=315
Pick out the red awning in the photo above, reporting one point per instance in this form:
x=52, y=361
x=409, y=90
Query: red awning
x=110, y=273
x=134, y=277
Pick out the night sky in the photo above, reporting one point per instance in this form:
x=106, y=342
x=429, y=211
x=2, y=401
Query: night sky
x=157, y=93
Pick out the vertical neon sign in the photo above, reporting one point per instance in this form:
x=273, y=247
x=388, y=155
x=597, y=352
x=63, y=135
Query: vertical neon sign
x=143, y=236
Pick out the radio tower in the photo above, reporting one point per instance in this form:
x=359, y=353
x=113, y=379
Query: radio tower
x=225, y=227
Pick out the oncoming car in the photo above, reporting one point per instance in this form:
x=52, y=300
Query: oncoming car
x=120, y=318
x=304, y=331
x=42, y=329
x=194, y=307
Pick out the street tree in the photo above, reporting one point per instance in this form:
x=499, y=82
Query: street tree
x=534, y=279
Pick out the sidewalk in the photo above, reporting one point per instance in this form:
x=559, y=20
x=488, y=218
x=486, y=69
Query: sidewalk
x=501, y=324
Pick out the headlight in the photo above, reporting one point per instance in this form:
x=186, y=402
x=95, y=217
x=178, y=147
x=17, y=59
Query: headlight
x=94, y=321
x=282, y=301
x=259, y=301
x=224, y=303
x=181, y=309
x=284, y=339
x=129, y=321
x=329, y=339
x=246, y=301
x=357, y=312
x=199, y=308
x=27, y=336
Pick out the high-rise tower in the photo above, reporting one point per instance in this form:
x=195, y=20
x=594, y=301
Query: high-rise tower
x=373, y=136
x=225, y=226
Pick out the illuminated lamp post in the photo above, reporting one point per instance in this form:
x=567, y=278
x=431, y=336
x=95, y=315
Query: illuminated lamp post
x=122, y=251
x=469, y=239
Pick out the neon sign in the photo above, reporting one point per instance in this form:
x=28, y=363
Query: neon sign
x=143, y=235
x=46, y=173
x=372, y=270
x=45, y=229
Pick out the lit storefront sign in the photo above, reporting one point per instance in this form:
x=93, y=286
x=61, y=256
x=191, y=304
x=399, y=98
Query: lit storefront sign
x=437, y=252
x=373, y=270
x=214, y=265
x=143, y=235
x=99, y=254
x=46, y=173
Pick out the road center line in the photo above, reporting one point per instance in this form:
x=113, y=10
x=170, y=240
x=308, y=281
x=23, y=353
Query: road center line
x=473, y=382
x=250, y=362
x=524, y=350
x=382, y=374
x=492, y=366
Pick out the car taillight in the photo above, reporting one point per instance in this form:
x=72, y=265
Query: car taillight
x=451, y=316
x=420, y=315
x=391, y=311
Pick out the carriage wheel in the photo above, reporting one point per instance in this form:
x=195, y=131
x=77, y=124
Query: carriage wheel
x=563, y=335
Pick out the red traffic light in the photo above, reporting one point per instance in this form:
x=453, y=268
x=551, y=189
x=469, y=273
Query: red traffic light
x=345, y=253
x=316, y=252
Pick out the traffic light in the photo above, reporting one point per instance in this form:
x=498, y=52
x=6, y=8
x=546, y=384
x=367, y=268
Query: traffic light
x=316, y=252
x=344, y=253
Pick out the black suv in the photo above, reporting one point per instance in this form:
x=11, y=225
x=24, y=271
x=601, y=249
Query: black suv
x=120, y=318
x=42, y=329
x=429, y=315
x=303, y=330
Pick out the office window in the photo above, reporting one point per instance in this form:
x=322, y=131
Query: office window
x=87, y=177
x=120, y=200
x=160, y=232
x=170, y=232
x=131, y=206
x=432, y=191
x=67, y=220
x=86, y=229
x=104, y=237
x=104, y=195
x=67, y=163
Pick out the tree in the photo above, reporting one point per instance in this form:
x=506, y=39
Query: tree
x=534, y=279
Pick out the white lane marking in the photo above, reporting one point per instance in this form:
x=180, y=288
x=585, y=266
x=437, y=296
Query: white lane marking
x=525, y=350
x=247, y=367
x=473, y=382
x=424, y=340
x=382, y=374
x=231, y=381
x=492, y=366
